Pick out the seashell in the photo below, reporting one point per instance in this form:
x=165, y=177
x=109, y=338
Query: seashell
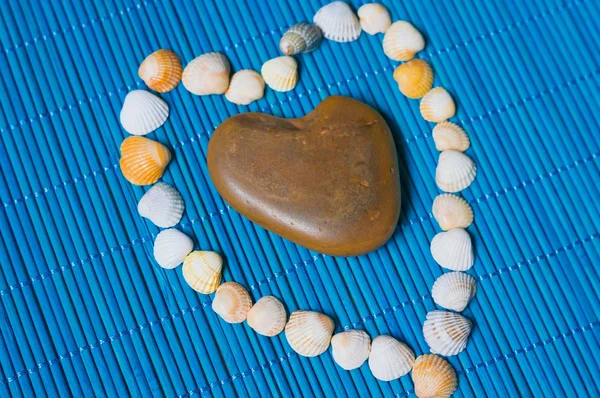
x=390, y=359
x=245, y=86
x=448, y=135
x=232, y=302
x=374, y=18
x=454, y=290
x=207, y=74
x=281, y=73
x=143, y=161
x=309, y=333
x=202, y=271
x=143, y=112
x=414, y=78
x=338, y=22
x=301, y=38
x=455, y=171
x=171, y=246
x=433, y=376
x=267, y=316
x=446, y=333
x=161, y=70
x=437, y=105
x=451, y=211
x=350, y=349
x=162, y=205
x=402, y=41
x=453, y=249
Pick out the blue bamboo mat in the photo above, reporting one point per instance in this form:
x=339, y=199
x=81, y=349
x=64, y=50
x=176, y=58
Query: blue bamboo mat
x=87, y=312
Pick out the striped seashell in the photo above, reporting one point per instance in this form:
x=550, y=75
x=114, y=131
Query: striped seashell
x=350, y=349
x=202, y=271
x=446, y=333
x=433, y=377
x=374, y=18
x=171, y=246
x=143, y=161
x=245, y=87
x=301, y=38
x=143, y=112
x=207, y=74
x=162, y=205
x=281, y=73
x=414, y=78
x=437, y=105
x=453, y=250
x=232, y=302
x=454, y=290
x=455, y=171
x=402, y=41
x=390, y=359
x=338, y=22
x=451, y=211
x=161, y=70
x=267, y=317
x=448, y=135
x=309, y=333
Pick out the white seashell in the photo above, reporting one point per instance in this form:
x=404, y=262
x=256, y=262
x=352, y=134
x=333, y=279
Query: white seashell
x=454, y=290
x=446, y=333
x=232, y=302
x=433, y=376
x=390, y=359
x=309, y=333
x=143, y=112
x=453, y=249
x=374, y=18
x=350, y=349
x=202, y=271
x=171, y=246
x=452, y=211
x=455, y=171
x=448, y=135
x=338, y=22
x=245, y=86
x=207, y=74
x=301, y=38
x=267, y=316
x=281, y=73
x=402, y=41
x=437, y=105
x=162, y=205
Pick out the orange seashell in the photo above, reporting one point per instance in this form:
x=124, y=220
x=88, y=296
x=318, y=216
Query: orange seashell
x=161, y=70
x=414, y=78
x=433, y=377
x=143, y=161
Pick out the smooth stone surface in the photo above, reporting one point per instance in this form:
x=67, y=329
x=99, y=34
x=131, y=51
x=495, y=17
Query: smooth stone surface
x=328, y=181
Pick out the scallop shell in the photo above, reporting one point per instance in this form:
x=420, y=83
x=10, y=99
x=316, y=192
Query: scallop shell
x=207, y=74
x=245, y=86
x=414, y=78
x=390, y=359
x=453, y=249
x=455, y=171
x=202, y=271
x=402, y=41
x=446, y=333
x=350, y=349
x=301, y=38
x=232, y=302
x=162, y=205
x=454, y=290
x=433, y=376
x=437, y=105
x=374, y=18
x=161, y=70
x=143, y=161
x=309, y=333
x=281, y=73
x=171, y=246
x=267, y=316
x=448, y=135
x=338, y=22
x=143, y=112
x=452, y=211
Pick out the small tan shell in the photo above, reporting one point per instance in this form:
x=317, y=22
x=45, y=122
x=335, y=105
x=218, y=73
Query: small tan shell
x=390, y=359
x=446, y=333
x=374, y=18
x=161, y=70
x=454, y=290
x=452, y=211
x=143, y=161
x=309, y=333
x=232, y=302
x=402, y=41
x=207, y=74
x=453, y=249
x=455, y=171
x=350, y=349
x=281, y=73
x=448, y=135
x=437, y=105
x=245, y=87
x=202, y=271
x=433, y=377
x=414, y=78
x=267, y=316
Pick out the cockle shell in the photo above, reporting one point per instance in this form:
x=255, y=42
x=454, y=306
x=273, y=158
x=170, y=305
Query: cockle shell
x=309, y=333
x=433, y=377
x=446, y=333
x=437, y=105
x=453, y=249
x=207, y=74
x=455, y=171
x=338, y=22
x=374, y=18
x=267, y=316
x=143, y=161
x=162, y=205
x=301, y=38
x=171, y=246
x=143, y=112
x=390, y=359
x=402, y=41
x=232, y=302
x=414, y=78
x=202, y=271
x=351, y=349
x=281, y=73
x=161, y=70
x=454, y=290
x=451, y=211
x=245, y=86
x=448, y=135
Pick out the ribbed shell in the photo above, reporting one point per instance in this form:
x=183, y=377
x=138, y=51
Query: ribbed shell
x=207, y=74
x=453, y=249
x=433, y=377
x=301, y=38
x=390, y=359
x=143, y=161
x=232, y=302
x=455, y=171
x=454, y=290
x=451, y=211
x=374, y=18
x=448, y=135
x=402, y=41
x=338, y=22
x=437, y=105
x=161, y=70
x=143, y=112
x=162, y=205
x=446, y=333
x=267, y=316
x=309, y=332
x=202, y=271
x=245, y=86
x=171, y=246
x=281, y=73
x=351, y=349
x=414, y=78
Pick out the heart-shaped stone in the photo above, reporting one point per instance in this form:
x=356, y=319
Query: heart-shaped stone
x=327, y=181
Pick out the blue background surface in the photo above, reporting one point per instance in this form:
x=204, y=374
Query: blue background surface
x=86, y=310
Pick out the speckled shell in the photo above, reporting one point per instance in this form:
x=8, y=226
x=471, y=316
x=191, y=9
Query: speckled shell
x=161, y=70
x=171, y=246
x=232, y=302
x=433, y=377
x=207, y=74
x=162, y=205
x=338, y=22
x=448, y=135
x=143, y=161
x=301, y=38
x=281, y=73
x=267, y=316
x=451, y=211
x=245, y=86
x=202, y=271
x=309, y=333
x=454, y=290
x=390, y=359
x=143, y=112
x=446, y=333
x=414, y=78
x=402, y=41
x=453, y=249
x=374, y=18
x=437, y=105
x=351, y=349
x=455, y=171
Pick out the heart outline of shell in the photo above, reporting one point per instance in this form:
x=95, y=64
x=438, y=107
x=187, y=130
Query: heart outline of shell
x=267, y=316
x=171, y=247
x=202, y=271
x=161, y=70
x=246, y=86
x=437, y=105
x=281, y=73
x=207, y=74
x=143, y=161
x=338, y=22
x=446, y=333
x=300, y=39
x=390, y=359
x=143, y=112
x=309, y=332
x=374, y=18
x=402, y=41
x=454, y=290
x=162, y=204
x=351, y=348
x=448, y=135
x=414, y=78
x=451, y=211
x=453, y=249
x=232, y=302
x=433, y=376
x=455, y=171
